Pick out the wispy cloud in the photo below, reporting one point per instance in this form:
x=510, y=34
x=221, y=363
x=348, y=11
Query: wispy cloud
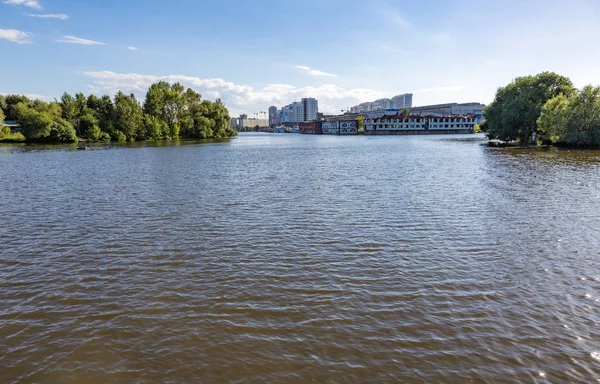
x=315, y=72
x=397, y=19
x=238, y=98
x=132, y=48
x=15, y=36
x=28, y=3
x=79, y=40
x=60, y=16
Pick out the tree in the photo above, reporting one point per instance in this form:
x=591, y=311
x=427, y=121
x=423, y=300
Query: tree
x=11, y=105
x=128, y=116
x=553, y=120
x=155, y=128
x=87, y=123
x=573, y=120
x=36, y=125
x=62, y=131
x=69, y=107
x=405, y=112
x=41, y=124
x=3, y=106
x=103, y=110
x=169, y=103
x=513, y=114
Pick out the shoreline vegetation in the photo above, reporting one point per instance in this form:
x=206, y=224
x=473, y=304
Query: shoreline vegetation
x=169, y=112
x=544, y=110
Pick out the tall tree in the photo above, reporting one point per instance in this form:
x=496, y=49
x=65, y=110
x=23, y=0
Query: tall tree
x=516, y=108
x=11, y=105
x=69, y=107
x=128, y=116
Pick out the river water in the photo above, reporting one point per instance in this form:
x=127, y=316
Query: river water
x=291, y=259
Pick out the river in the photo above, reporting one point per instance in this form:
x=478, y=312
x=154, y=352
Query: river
x=275, y=258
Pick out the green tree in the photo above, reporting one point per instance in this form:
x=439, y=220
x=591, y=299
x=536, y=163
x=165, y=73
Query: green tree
x=87, y=123
x=11, y=105
x=553, y=120
x=360, y=119
x=68, y=106
x=513, y=114
x=573, y=120
x=81, y=104
x=155, y=128
x=3, y=106
x=405, y=112
x=62, y=131
x=128, y=116
x=36, y=125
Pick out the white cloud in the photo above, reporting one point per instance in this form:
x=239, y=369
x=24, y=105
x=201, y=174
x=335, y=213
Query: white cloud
x=132, y=48
x=238, y=98
x=78, y=40
x=15, y=36
x=397, y=19
x=315, y=72
x=60, y=16
x=28, y=3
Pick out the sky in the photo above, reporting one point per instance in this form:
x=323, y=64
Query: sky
x=253, y=54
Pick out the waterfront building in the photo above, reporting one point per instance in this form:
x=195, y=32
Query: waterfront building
x=244, y=121
x=475, y=109
x=310, y=127
x=340, y=125
x=416, y=124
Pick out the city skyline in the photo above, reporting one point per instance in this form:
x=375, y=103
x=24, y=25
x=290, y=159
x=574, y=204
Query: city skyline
x=460, y=51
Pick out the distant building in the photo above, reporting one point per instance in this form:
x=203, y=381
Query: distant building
x=402, y=101
x=339, y=126
x=244, y=121
x=297, y=112
x=311, y=108
x=273, y=116
x=396, y=102
x=475, y=109
x=405, y=125
x=310, y=128
x=13, y=125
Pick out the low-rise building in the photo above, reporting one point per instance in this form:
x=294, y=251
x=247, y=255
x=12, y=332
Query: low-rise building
x=340, y=127
x=475, y=109
x=310, y=128
x=406, y=125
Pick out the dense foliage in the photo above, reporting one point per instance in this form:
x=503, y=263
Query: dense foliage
x=5, y=134
x=168, y=112
x=514, y=113
x=572, y=120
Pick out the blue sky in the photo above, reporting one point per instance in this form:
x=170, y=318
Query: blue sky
x=253, y=54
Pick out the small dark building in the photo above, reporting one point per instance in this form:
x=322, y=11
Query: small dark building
x=311, y=128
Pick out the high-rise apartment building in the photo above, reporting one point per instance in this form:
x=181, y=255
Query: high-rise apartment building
x=311, y=108
x=396, y=102
x=402, y=101
x=299, y=112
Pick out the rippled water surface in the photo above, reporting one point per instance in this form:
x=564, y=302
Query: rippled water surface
x=294, y=259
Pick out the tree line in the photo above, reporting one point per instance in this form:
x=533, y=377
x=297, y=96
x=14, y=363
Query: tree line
x=168, y=112
x=547, y=109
